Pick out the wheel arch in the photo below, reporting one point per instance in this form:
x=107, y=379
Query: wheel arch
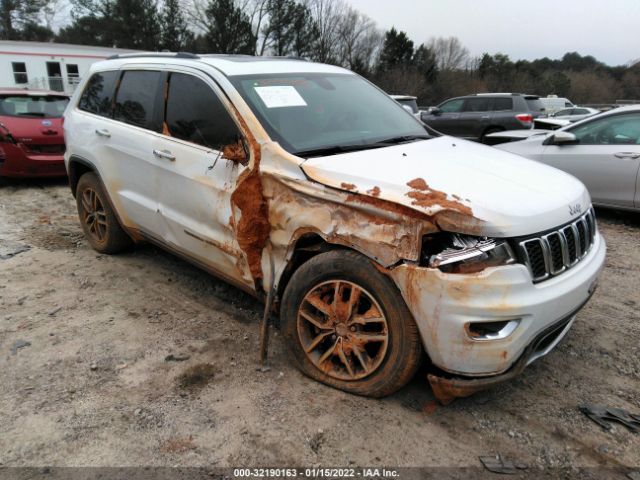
x=78, y=166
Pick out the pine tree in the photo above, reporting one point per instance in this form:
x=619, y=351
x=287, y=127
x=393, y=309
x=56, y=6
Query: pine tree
x=175, y=35
x=19, y=19
x=397, y=50
x=229, y=29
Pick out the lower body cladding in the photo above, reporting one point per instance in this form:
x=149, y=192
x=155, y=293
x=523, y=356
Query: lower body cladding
x=15, y=162
x=485, y=328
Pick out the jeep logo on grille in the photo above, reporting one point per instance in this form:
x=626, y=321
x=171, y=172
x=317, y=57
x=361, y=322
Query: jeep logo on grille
x=575, y=209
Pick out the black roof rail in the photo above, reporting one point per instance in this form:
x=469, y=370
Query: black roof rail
x=154, y=55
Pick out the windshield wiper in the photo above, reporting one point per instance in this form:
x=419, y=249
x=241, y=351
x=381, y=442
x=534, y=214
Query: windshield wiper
x=335, y=149
x=402, y=139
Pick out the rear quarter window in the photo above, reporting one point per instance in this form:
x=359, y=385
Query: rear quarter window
x=97, y=96
x=502, y=104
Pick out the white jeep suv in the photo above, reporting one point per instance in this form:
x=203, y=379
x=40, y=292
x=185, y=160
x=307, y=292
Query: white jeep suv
x=377, y=238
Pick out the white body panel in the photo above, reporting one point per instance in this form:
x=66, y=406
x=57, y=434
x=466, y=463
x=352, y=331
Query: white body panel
x=512, y=196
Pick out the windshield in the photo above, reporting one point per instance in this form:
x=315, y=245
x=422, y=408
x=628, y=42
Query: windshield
x=315, y=112
x=39, y=106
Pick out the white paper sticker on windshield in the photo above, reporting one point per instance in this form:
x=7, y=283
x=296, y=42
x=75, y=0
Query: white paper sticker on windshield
x=280, y=96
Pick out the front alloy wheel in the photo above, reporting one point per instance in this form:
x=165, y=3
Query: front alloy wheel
x=343, y=330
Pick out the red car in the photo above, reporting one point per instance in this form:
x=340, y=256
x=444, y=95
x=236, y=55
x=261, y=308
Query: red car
x=31, y=138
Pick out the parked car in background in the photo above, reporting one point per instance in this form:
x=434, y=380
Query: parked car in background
x=305, y=184
x=553, y=103
x=602, y=151
x=31, y=137
x=409, y=103
x=475, y=116
x=574, y=114
x=541, y=126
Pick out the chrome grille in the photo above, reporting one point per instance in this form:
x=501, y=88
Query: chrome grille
x=555, y=252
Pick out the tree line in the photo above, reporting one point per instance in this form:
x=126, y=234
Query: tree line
x=328, y=31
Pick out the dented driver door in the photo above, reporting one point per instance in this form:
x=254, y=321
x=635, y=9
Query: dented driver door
x=195, y=179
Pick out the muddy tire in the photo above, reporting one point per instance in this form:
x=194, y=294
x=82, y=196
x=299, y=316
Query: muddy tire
x=99, y=222
x=346, y=325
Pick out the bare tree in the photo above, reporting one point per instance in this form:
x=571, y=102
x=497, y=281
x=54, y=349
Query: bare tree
x=328, y=16
x=450, y=53
x=55, y=13
x=359, y=41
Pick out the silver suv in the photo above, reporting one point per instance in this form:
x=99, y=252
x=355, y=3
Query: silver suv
x=306, y=185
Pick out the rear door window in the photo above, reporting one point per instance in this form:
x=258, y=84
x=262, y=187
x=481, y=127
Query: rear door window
x=502, y=104
x=195, y=114
x=480, y=104
x=98, y=94
x=137, y=99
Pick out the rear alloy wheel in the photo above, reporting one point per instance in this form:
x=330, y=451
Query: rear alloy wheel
x=98, y=220
x=93, y=215
x=347, y=325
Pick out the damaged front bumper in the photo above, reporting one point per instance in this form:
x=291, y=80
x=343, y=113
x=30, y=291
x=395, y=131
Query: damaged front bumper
x=446, y=305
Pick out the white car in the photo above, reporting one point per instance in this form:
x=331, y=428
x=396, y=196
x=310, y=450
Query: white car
x=575, y=113
x=602, y=151
x=305, y=185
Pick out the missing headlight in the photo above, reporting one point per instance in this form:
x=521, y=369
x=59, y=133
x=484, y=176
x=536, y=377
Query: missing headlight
x=456, y=253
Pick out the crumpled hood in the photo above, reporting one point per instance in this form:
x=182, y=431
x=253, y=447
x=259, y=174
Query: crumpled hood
x=510, y=195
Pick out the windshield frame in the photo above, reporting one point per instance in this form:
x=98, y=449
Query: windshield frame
x=236, y=81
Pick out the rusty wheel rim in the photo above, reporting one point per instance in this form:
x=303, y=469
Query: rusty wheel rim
x=342, y=330
x=93, y=215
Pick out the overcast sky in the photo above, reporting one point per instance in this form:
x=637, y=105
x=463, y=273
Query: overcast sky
x=607, y=29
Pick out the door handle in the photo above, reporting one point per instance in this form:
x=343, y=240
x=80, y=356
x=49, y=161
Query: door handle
x=103, y=132
x=166, y=154
x=631, y=155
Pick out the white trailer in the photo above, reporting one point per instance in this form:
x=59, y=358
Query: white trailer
x=47, y=66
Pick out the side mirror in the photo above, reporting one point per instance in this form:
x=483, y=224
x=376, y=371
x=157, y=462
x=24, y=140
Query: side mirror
x=434, y=111
x=236, y=152
x=563, y=138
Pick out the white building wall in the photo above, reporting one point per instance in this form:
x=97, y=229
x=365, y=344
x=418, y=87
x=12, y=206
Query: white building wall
x=35, y=56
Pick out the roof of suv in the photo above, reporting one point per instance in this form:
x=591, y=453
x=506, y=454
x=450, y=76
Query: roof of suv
x=229, y=65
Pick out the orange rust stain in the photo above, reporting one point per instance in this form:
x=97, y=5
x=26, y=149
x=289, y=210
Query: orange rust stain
x=375, y=191
x=418, y=184
x=253, y=228
x=348, y=186
x=435, y=197
x=424, y=196
x=234, y=152
x=388, y=206
x=252, y=231
x=380, y=268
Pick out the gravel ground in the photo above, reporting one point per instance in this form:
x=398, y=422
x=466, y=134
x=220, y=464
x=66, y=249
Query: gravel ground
x=84, y=376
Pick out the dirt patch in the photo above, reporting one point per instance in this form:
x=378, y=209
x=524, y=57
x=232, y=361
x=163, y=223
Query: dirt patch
x=178, y=445
x=196, y=377
x=126, y=313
